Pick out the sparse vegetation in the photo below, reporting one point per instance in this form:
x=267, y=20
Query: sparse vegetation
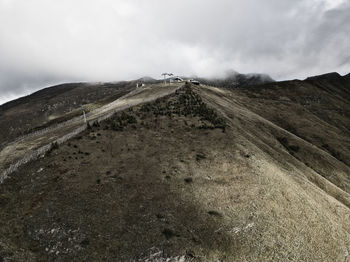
x=121, y=121
x=214, y=213
x=55, y=105
x=188, y=104
x=292, y=149
x=188, y=180
x=333, y=152
x=200, y=156
x=96, y=124
x=185, y=103
x=168, y=233
x=53, y=147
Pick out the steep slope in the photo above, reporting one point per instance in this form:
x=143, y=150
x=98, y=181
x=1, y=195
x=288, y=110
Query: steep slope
x=316, y=110
x=35, y=144
x=271, y=138
x=55, y=104
x=199, y=175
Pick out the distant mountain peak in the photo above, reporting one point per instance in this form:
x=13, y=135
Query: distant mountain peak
x=232, y=79
x=147, y=79
x=327, y=76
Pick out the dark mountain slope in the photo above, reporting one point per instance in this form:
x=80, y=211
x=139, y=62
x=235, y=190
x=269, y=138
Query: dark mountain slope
x=347, y=77
x=234, y=80
x=55, y=104
x=332, y=83
x=316, y=110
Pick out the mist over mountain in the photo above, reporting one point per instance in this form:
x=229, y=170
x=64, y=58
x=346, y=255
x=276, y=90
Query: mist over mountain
x=47, y=43
x=233, y=79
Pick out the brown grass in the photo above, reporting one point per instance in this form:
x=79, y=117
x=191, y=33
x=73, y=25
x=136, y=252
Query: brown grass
x=162, y=187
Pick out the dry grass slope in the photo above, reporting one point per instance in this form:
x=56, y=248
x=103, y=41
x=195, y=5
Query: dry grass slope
x=196, y=176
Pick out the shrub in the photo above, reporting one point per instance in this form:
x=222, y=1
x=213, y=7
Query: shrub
x=200, y=156
x=188, y=180
x=283, y=141
x=214, y=213
x=96, y=124
x=120, y=121
x=187, y=103
x=290, y=148
x=333, y=152
x=294, y=148
x=53, y=146
x=168, y=233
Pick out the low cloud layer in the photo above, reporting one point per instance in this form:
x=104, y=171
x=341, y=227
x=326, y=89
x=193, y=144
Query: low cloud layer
x=45, y=42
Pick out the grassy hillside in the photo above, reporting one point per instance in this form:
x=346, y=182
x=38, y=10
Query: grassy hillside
x=54, y=105
x=205, y=174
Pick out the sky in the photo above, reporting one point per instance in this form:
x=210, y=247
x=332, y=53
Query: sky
x=46, y=42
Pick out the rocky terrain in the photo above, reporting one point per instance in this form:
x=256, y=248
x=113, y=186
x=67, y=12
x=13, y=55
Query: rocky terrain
x=256, y=173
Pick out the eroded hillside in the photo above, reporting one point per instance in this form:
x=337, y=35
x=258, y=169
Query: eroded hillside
x=204, y=174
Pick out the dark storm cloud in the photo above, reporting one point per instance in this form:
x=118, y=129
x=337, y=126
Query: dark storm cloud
x=44, y=42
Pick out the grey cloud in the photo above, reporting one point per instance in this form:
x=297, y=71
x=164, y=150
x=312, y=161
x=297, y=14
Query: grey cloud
x=16, y=84
x=46, y=42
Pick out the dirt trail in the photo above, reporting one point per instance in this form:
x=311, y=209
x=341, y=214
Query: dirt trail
x=36, y=144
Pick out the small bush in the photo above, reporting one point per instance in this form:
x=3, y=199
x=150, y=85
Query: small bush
x=188, y=180
x=200, y=156
x=121, y=121
x=53, y=147
x=290, y=148
x=96, y=124
x=85, y=243
x=283, y=141
x=214, y=213
x=294, y=148
x=334, y=153
x=186, y=103
x=168, y=233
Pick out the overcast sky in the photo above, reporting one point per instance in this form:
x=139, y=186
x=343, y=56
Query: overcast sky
x=44, y=42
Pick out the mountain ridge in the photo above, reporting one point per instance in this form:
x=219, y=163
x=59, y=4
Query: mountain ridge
x=234, y=79
x=201, y=173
